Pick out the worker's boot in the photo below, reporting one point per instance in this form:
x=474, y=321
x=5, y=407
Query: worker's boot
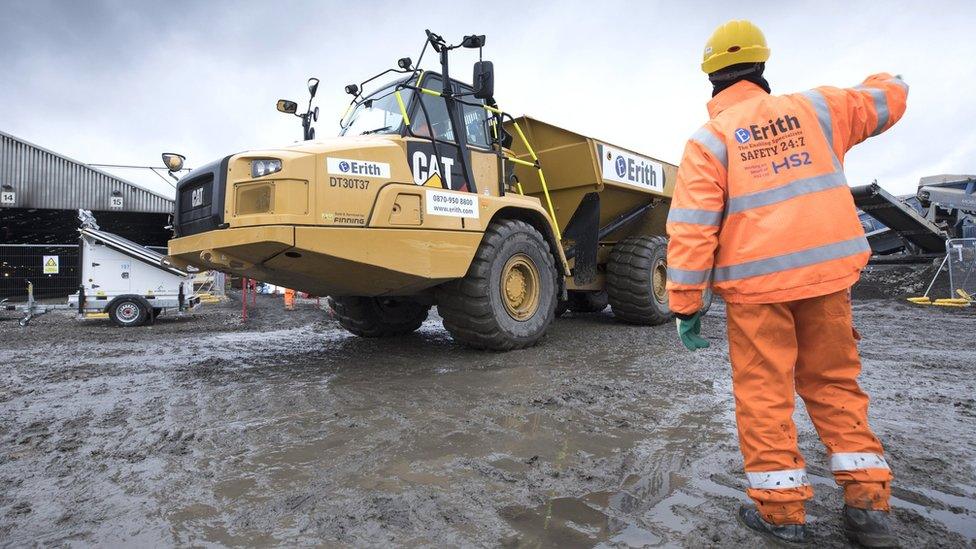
x=869, y=527
x=794, y=534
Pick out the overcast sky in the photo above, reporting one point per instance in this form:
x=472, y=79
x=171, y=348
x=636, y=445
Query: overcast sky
x=121, y=82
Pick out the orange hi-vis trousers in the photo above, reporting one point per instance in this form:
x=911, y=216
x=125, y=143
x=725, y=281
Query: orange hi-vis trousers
x=809, y=344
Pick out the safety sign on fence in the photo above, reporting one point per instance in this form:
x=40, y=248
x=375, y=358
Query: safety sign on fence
x=51, y=265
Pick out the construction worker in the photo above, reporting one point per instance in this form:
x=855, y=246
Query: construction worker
x=289, y=299
x=762, y=212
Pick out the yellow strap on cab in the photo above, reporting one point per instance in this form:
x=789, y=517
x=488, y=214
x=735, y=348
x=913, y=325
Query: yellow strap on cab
x=403, y=108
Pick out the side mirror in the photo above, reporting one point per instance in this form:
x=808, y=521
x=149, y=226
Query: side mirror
x=173, y=161
x=315, y=115
x=484, y=79
x=474, y=41
x=313, y=85
x=287, y=107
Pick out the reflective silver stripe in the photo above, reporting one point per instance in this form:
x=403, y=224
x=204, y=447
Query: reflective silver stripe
x=714, y=145
x=785, y=192
x=688, y=276
x=823, y=114
x=697, y=217
x=778, y=480
x=853, y=461
x=880, y=105
x=793, y=260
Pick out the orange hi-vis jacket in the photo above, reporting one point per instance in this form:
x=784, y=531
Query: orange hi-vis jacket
x=761, y=208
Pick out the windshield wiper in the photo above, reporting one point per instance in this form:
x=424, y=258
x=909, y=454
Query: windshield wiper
x=367, y=132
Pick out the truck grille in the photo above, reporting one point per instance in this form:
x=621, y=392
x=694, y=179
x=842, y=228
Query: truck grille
x=200, y=199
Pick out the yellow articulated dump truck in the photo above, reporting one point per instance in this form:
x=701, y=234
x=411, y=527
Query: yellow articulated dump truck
x=433, y=195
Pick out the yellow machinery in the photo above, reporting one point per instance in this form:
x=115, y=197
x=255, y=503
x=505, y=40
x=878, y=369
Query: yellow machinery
x=432, y=195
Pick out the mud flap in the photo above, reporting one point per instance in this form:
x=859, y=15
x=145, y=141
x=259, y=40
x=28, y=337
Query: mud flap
x=584, y=230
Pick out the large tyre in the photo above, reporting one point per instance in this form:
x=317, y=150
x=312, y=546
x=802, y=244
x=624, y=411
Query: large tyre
x=636, y=276
x=507, y=300
x=587, y=302
x=129, y=312
x=379, y=316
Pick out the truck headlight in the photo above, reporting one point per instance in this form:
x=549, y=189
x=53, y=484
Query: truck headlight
x=265, y=166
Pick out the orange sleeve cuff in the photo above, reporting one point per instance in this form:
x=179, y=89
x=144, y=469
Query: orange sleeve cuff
x=685, y=302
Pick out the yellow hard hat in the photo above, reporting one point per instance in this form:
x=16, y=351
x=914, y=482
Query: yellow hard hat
x=738, y=41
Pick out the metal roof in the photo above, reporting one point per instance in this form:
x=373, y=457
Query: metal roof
x=42, y=179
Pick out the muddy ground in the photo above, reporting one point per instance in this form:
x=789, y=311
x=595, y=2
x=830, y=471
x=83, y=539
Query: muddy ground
x=288, y=431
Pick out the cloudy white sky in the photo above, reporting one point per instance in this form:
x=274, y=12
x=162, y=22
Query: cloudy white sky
x=122, y=81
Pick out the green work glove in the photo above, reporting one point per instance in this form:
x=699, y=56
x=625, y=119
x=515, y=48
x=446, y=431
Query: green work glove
x=689, y=330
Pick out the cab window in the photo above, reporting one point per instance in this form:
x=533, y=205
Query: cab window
x=475, y=125
x=438, y=125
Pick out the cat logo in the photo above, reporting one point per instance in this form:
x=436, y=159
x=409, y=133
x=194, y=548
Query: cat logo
x=196, y=197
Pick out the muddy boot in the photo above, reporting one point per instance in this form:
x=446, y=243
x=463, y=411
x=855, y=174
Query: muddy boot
x=792, y=534
x=868, y=527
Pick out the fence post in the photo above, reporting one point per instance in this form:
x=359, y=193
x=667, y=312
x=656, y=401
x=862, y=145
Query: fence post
x=244, y=299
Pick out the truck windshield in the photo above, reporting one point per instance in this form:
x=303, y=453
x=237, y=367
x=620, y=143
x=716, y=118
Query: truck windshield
x=379, y=113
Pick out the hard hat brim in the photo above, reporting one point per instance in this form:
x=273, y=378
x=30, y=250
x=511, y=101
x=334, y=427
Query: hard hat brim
x=751, y=54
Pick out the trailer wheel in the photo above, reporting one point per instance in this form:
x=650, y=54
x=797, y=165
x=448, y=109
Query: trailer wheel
x=587, y=302
x=128, y=312
x=507, y=300
x=636, y=276
x=379, y=316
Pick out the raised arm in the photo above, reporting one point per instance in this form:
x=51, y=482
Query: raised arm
x=865, y=110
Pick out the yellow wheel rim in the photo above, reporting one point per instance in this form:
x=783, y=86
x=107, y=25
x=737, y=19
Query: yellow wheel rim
x=520, y=286
x=659, y=281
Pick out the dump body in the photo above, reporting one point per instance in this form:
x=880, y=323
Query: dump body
x=575, y=165
x=600, y=193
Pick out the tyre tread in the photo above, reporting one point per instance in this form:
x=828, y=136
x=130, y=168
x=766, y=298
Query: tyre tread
x=629, y=291
x=465, y=304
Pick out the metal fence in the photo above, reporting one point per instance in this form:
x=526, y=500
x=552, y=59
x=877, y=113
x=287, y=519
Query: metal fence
x=961, y=254
x=52, y=268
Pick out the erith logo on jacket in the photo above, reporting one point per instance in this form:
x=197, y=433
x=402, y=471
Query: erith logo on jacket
x=773, y=128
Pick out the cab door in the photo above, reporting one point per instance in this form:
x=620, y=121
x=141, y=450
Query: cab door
x=484, y=161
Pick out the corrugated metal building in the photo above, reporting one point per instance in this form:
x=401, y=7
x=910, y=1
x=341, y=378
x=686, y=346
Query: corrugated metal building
x=40, y=195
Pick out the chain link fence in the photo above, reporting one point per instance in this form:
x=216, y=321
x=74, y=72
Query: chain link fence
x=52, y=268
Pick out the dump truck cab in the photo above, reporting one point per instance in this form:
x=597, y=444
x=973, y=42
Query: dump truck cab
x=431, y=194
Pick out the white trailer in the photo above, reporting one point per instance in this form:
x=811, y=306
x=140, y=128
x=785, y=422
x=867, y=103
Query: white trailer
x=129, y=282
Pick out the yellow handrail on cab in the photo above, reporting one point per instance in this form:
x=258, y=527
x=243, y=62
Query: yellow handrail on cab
x=403, y=108
x=542, y=177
